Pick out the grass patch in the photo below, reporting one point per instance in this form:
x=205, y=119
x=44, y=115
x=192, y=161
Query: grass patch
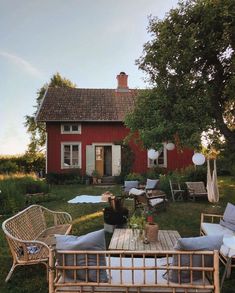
x=181, y=216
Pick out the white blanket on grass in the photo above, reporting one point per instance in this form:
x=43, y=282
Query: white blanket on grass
x=86, y=199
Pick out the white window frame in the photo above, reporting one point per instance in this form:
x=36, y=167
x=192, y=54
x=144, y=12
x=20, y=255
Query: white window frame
x=79, y=131
x=79, y=154
x=164, y=165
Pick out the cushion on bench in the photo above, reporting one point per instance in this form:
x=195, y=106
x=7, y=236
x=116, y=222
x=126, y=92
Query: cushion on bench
x=118, y=277
x=91, y=241
x=215, y=229
x=212, y=242
x=228, y=220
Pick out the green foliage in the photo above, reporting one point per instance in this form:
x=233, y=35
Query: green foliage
x=14, y=189
x=135, y=176
x=137, y=221
x=190, y=62
x=37, y=130
x=27, y=163
x=96, y=174
x=155, y=173
x=127, y=160
x=226, y=163
x=71, y=177
x=8, y=167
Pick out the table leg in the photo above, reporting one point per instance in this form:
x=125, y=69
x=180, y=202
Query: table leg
x=227, y=267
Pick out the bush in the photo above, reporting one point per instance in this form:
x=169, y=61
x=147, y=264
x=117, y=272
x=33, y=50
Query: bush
x=8, y=167
x=195, y=174
x=14, y=189
x=135, y=176
x=73, y=177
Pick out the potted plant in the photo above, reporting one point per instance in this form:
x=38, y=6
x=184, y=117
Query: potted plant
x=115, y=214
x=95, y=175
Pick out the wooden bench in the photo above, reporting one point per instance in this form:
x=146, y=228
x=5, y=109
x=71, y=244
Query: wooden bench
x=30, y=233
x=142, y=271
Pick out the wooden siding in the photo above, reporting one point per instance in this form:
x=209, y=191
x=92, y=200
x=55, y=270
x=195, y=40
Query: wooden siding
x=108, y=132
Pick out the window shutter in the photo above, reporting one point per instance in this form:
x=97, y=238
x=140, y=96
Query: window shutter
x=90, y=159
x=116, y=160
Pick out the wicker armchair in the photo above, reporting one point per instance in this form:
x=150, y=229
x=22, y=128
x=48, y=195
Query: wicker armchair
x=30, y=234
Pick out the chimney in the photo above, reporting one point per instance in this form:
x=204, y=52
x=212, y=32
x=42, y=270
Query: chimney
x=122, y=82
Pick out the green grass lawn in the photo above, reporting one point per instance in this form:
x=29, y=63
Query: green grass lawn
x=181, y=216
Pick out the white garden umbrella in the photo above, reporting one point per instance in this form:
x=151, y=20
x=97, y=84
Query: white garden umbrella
x=212, y=184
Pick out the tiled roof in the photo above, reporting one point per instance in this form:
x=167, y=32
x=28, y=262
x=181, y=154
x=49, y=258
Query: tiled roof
x=74, y=104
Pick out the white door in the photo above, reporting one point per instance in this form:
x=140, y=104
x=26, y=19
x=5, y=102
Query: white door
x=90, y=159
x=116, y=160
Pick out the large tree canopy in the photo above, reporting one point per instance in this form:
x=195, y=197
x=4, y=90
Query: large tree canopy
x=37, y=131
x=190, y=62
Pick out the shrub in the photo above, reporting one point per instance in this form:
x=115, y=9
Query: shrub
x=194, y=174
x=71, y=177
x=14, y=189
x=26, y=163
x=8, y=167
x=135, y=176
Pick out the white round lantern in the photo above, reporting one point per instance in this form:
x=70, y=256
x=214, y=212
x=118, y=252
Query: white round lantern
x=152, y=154
x=198, y=159
x=170, y=146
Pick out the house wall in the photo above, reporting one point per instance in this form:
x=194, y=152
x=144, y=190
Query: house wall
x=104, y=133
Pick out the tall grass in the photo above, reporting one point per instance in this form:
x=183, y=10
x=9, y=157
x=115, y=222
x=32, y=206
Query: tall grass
x=13, y=190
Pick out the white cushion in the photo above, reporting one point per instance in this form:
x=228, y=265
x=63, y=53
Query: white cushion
x=151, y=183
x=226, y=251
x=130, y=184
x=215, y=229
x=155, y=201
x=136, y=191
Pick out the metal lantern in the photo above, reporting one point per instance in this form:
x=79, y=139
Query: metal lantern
x=198, y=159
x=152, y=154
x=170, y=146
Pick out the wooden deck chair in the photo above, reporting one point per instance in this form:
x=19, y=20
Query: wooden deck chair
x=196, y=190
x=143, y=200
x=176, y=191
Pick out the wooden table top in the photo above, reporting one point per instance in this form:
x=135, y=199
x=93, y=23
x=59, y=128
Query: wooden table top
x=123, y=239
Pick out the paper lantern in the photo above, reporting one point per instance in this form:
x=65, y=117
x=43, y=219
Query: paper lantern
x=152, y=154
x=170, y=146
x=198, y=159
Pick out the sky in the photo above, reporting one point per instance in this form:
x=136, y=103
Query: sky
x=86, y=41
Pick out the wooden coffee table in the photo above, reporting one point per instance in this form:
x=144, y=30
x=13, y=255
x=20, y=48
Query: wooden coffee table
x=123, y=239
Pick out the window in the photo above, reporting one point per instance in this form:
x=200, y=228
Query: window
x=71, y=128
x=70, y=155
x=161, y=161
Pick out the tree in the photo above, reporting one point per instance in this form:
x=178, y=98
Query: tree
x=37, y=130
x=190, y=62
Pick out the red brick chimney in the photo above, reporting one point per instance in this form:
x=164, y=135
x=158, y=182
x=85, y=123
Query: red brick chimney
x=122, y=79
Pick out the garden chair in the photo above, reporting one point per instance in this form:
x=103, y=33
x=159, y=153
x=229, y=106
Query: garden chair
x=151, y=186
x=196, y=190
x=176, y=191
x=128, y=185
x=148, y=202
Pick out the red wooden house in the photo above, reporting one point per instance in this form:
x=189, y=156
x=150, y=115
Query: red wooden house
x=84, y=127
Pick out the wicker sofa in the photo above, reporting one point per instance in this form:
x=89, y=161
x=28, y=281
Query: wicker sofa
x=132, y=272
x=30, y=234
x=210, y=225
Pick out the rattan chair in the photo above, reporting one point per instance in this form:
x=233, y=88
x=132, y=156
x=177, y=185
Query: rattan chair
x=30, y=234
